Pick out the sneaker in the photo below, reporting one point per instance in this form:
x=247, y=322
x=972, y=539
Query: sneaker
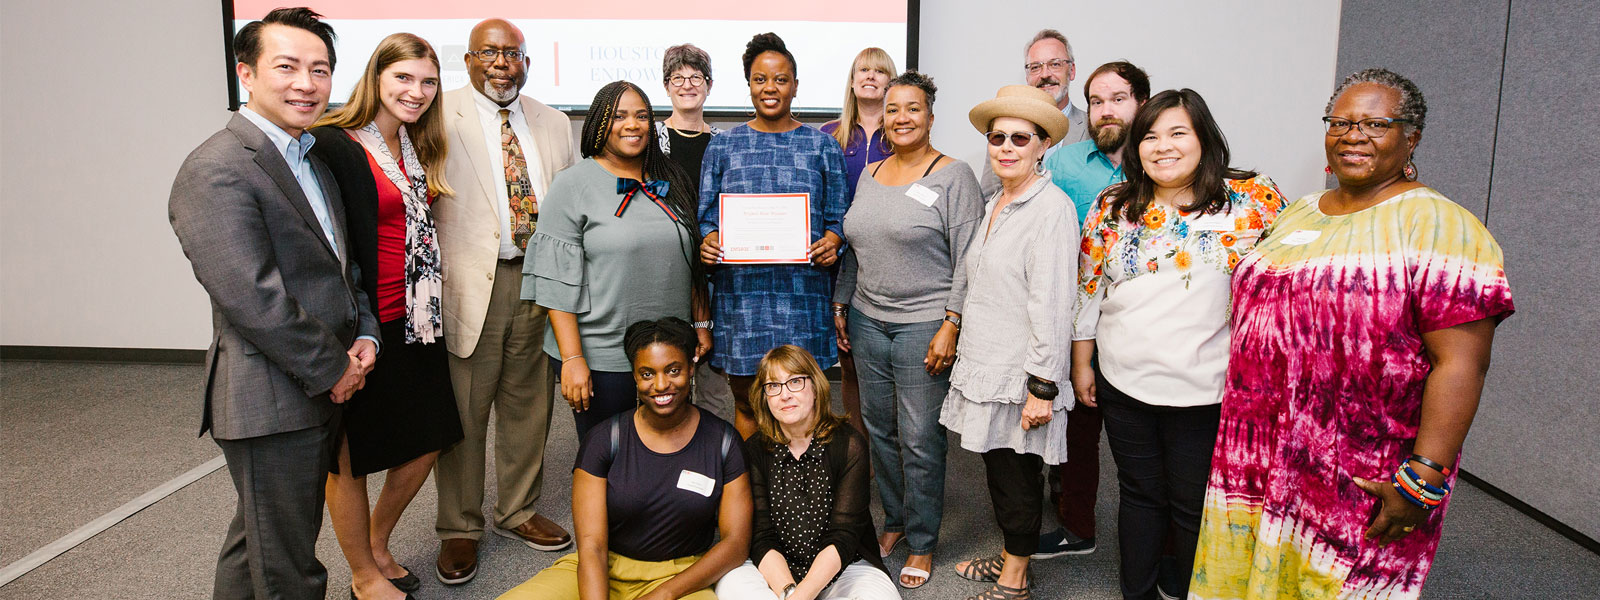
x=1061, y=543
x=1167, y=578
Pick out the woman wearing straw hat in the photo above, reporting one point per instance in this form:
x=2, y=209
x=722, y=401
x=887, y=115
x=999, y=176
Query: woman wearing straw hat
x=1013, y=356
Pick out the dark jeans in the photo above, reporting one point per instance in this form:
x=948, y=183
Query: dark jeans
x=1163, y=457
x=1016, y=486
x=1080, y=475
x=614, y=393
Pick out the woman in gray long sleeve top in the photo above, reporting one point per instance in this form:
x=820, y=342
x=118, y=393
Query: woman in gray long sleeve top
x=897, y=306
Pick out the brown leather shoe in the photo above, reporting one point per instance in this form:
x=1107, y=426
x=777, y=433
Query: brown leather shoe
x=458, y=561
x=539, y=533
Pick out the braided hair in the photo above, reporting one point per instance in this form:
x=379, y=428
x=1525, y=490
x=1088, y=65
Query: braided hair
x=683, y=196
x=671, y=331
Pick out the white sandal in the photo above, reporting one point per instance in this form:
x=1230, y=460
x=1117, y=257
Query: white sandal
x=914, y=572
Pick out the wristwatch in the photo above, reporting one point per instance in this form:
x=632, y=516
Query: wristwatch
x=953, y=319
x=788, y=590
x=706, y=325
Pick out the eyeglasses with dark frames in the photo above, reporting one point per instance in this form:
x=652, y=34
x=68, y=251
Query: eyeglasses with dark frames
x=1018, y=139
x=1054, y=64
x=695, y=80
x=488, y=55
x=1374, y=128
x=795, y=384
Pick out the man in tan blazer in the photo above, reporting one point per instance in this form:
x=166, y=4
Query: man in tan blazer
x=504, y=149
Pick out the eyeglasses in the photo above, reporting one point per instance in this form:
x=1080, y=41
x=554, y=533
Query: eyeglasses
x=1054, y=64
x=1019, y=139
x=488, y=55
x=695, y=80
x=795, y=384
x=1374, y=128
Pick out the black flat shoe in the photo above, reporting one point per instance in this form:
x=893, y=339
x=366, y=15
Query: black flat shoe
x=353, y=595
x=407, y=583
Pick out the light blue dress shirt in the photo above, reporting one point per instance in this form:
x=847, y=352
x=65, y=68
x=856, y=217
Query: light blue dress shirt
x=1082, y=171
x=297, y=153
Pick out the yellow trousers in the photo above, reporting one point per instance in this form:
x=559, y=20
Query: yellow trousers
x=630, y=579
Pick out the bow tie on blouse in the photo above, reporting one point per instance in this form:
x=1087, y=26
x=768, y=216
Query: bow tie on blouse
x=655, y=190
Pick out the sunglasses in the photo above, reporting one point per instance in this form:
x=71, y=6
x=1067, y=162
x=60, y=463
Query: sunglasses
x=1019, y=139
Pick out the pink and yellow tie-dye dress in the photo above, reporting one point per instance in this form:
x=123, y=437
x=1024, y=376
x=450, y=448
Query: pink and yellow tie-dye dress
x=1324, y=383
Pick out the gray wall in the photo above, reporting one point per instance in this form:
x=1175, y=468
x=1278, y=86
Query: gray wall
x=1511, y=135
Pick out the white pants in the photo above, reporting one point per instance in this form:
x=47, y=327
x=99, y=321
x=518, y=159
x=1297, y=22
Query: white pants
x=859, y=581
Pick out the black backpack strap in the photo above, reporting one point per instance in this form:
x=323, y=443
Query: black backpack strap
x=616, y=436
x=727, y=441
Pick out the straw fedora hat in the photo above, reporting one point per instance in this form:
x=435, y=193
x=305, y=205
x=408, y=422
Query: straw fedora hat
x=1023, y=102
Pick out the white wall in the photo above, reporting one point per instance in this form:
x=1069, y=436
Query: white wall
x=1264, y=67
x=89, y=142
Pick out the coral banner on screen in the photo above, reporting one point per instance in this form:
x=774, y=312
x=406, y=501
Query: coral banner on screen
x=575, y=48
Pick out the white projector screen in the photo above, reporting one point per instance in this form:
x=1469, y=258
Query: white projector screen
x=575, y=48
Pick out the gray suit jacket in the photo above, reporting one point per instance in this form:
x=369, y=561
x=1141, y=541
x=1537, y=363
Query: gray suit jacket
x=285, y=307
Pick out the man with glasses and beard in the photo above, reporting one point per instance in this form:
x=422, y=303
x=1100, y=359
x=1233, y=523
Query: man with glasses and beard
x=1115, y=91
x=1048, y=66
x=504, y=150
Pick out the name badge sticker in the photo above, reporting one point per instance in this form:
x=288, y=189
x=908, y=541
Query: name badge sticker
x=1213, y=222
x=922, y=194
x=695, y=482
x=1301, y=237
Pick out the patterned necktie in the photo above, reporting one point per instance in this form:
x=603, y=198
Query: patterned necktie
x=524, y=206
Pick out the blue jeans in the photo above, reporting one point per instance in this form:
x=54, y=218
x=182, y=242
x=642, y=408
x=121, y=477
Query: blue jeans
x=900, y=403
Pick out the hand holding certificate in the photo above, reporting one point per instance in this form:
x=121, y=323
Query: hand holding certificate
x=765, y=228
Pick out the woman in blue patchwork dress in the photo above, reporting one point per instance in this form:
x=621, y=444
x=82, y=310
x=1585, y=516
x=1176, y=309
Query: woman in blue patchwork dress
x=760, y=307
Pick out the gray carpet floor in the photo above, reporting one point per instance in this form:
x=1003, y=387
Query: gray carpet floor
x=80, y=439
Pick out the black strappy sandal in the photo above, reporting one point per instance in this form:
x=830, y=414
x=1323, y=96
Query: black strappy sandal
x=983, y=569
x=1000, y=592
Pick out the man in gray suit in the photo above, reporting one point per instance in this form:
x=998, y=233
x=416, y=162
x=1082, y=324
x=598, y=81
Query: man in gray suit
x=263, y=226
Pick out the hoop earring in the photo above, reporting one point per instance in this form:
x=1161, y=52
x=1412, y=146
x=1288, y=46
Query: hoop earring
x=1410, y=171
x=1038, y=167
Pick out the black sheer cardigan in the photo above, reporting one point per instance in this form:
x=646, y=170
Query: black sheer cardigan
x=850, y=530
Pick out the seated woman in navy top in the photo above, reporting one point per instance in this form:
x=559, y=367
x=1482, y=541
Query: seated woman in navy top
x=652, y=487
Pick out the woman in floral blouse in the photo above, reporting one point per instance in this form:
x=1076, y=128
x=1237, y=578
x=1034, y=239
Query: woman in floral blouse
x=1157, y=257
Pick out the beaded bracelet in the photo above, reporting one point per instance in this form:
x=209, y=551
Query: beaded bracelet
x=1411, y=495
x=1417, y=490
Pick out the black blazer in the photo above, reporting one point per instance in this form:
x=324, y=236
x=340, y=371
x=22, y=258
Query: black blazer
x=347, y=159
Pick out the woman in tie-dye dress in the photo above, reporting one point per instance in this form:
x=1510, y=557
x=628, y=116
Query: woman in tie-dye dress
x=1361, y=334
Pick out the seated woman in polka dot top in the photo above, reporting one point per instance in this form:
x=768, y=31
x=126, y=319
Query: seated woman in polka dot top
x=810, y=482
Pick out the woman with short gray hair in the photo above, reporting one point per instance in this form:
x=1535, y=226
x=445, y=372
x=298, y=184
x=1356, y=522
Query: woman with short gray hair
x=686, y=73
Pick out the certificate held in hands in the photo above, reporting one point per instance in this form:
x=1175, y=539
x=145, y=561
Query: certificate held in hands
x=765, y=228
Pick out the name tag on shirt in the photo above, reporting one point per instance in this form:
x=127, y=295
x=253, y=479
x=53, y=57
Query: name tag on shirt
x=695, y=482
x=1301, y=237
x=922, y=194
x=1213, y=222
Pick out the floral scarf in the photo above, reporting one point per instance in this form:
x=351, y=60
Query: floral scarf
x=422, y=266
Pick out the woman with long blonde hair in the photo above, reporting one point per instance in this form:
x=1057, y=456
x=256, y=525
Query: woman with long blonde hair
x=386, y=149
x=863, y=140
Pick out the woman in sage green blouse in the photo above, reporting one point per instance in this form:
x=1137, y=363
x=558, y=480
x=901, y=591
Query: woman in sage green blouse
x=614, y=245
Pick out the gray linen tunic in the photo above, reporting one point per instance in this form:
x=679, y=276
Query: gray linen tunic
x=1017, y=320
x=610, y=271
x=905, y=259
